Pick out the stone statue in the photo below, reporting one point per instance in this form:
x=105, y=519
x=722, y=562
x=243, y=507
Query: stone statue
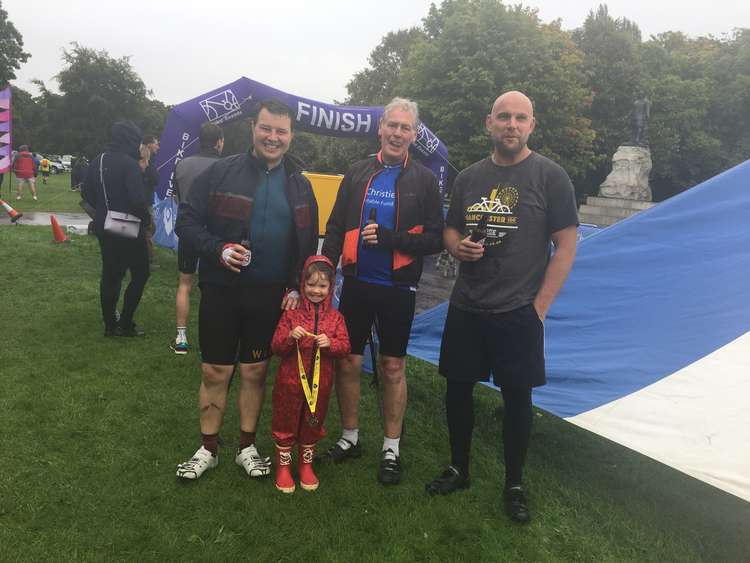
x=641, y=114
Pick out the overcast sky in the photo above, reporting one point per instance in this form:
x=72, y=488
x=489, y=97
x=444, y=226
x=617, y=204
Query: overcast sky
x=182, y=49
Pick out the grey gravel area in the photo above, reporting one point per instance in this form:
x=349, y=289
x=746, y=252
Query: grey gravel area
x=433, y=287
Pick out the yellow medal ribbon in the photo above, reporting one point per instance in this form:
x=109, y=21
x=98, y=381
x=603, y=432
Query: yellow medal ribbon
x=310, y=395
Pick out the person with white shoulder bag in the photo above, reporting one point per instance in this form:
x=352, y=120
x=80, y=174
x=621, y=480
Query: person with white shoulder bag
x=114, y=187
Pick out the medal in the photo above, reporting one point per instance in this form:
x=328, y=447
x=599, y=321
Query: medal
x=311, y=395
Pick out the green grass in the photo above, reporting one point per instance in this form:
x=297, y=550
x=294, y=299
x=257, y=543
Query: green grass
x=54, y=196
x=92, y=429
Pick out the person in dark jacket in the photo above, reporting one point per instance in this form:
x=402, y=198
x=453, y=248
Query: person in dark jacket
x=122, y=190
x=78, y=173
x=386, y=217
x=253, y=220
x=149, y=150
x=151, y=174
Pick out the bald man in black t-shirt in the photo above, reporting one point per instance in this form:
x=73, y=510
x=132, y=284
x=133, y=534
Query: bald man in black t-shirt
x=506, y=284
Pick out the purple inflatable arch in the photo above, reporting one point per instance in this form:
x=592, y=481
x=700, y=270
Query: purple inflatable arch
x=234, y=101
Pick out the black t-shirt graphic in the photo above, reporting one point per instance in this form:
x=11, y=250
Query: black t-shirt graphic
x=524, y=203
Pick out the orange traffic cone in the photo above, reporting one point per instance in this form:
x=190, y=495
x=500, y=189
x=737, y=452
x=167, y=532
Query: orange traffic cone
x=57, y=231
x=14, y=215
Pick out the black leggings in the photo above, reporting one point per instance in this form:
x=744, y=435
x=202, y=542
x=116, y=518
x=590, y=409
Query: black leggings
x=118, y=256
x=459, y=406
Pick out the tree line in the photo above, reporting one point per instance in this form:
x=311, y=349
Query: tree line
x=582, y=81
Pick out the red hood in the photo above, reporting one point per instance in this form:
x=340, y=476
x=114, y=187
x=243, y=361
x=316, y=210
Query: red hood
x=326, y=303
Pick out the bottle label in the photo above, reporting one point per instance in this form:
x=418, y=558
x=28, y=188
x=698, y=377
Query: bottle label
x=248, y=253
x=246, y=260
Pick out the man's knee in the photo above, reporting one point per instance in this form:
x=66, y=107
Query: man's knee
x=254, y=374
x=392, y=369
x=215, y=375
x=348, y=368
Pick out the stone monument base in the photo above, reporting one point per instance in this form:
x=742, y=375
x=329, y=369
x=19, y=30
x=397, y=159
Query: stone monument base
x=625, y=192
x=631, y=166
x=605, y=211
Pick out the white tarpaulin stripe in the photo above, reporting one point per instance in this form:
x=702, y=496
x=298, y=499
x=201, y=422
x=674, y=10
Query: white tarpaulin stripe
x=696, y=420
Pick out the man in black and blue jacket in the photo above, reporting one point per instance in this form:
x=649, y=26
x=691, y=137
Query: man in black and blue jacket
x=253, y=219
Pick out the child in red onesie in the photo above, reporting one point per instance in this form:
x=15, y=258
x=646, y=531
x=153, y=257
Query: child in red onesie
x=308, y=340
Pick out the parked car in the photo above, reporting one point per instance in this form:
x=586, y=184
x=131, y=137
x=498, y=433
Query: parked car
x=67, y=161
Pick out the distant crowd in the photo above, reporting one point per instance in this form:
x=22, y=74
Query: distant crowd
x=27, y=166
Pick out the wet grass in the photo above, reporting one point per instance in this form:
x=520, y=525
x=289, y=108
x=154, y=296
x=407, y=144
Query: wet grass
x=93, y=429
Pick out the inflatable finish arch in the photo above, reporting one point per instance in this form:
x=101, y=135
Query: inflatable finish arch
x=234, y=101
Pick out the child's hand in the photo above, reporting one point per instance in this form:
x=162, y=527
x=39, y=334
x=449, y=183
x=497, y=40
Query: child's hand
x=297, y=332
x=322, y=341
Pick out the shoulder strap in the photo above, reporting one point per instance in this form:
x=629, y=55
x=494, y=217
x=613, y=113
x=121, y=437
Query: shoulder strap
x=101, y=179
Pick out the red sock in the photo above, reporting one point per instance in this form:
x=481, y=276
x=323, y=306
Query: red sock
x=211, y=442
x=246, y=439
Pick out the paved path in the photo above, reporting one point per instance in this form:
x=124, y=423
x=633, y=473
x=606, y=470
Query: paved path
x=77, y=222
x=433, y=287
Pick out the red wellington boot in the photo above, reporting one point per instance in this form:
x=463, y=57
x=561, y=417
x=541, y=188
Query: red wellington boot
x=307, y=478
x=284, y=479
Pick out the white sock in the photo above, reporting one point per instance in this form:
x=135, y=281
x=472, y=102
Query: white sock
x=182, y=333
x=391, y=444
x=351, y=435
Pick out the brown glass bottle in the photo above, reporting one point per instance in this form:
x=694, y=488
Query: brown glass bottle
x=371, y=218
x=246, y=243
x=479, y=233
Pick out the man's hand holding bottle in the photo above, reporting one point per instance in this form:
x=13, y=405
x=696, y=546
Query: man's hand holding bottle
x=234, y=257
x=471, y=248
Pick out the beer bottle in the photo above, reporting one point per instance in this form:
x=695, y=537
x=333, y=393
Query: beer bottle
x=371, y=218
x=246, y=243
x=479, y=233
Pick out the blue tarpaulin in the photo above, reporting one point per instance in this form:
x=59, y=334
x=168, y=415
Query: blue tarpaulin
x=654, y=320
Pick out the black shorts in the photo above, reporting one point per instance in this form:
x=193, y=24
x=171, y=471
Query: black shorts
x=45, y=174
x=393, y=307
x=187, y=257
x=237, y=323
x=509, y=344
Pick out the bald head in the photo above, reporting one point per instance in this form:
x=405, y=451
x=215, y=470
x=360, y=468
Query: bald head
x=515, y=98
x=509, y=124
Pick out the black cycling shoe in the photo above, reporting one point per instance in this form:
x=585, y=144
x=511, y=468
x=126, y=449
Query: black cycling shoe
x=131, y=331
x=389, y=472
x=449, y=481
x=337, y=454
x=516, y=504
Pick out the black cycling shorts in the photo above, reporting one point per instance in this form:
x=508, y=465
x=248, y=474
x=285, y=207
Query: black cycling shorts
x=237, y=323
x=510, y=345
x=362, y=303
x=187, y=257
